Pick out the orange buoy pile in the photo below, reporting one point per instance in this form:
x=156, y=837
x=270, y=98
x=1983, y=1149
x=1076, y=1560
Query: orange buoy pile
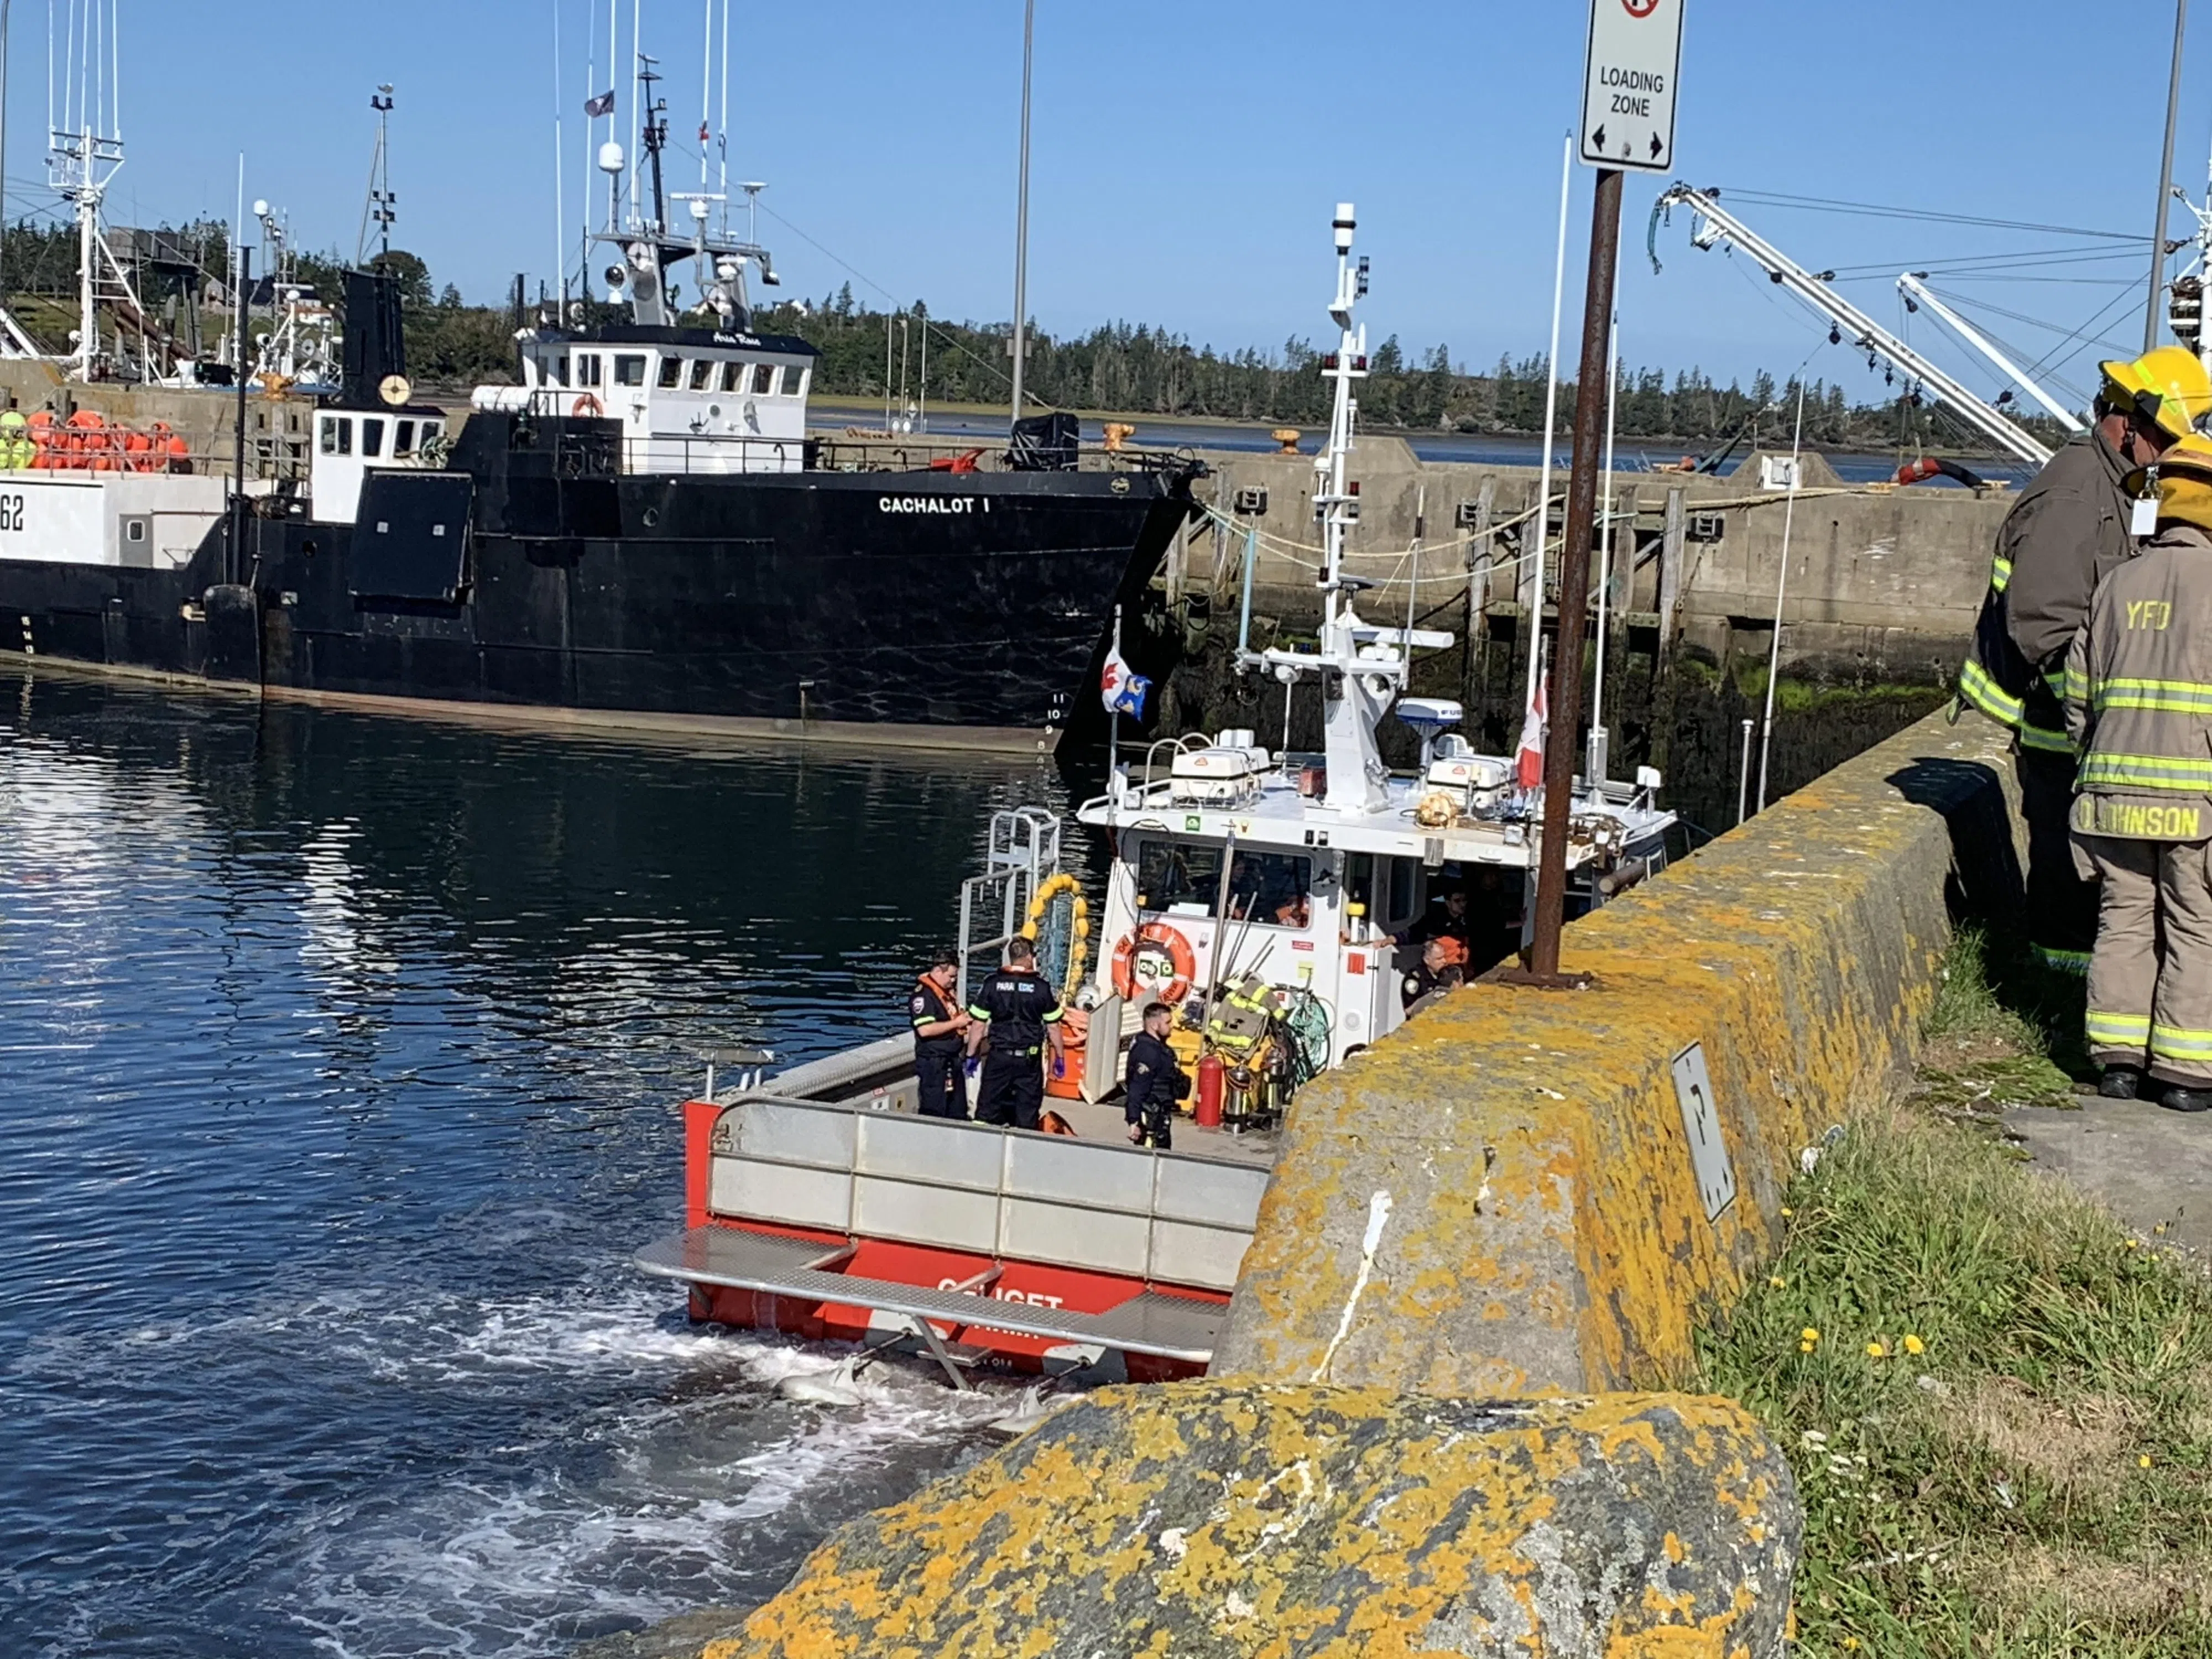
x=88, y=442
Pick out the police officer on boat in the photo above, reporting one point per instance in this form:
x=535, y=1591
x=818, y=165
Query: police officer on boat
x=1154, y=1082
x=1017, y=1010
x=940, y=1025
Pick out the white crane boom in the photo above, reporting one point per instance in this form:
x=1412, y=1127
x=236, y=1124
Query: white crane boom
x=1717, y=224
x=1917, y=294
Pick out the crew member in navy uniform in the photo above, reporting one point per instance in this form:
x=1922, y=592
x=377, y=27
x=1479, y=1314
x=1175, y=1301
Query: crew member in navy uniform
x=1155, y=1082
x=1018, y=1013
x=939, y=1026
x=1441, y=969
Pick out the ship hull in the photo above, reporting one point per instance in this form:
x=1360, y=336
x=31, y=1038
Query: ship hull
x=925, y=606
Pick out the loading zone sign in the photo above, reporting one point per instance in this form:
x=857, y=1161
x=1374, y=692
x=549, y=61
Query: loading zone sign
x=1628, y=83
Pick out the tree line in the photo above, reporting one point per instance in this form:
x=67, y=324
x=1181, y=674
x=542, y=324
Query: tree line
x=1119, y=366
x=1134, y=368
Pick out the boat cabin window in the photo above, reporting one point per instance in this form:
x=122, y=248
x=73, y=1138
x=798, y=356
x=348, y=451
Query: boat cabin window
x=402, y=439
x=795, y=380
x=371, y=437
x=734, y=376
x=672, y=373
x=763, y=379
x=630, y=369
x=1403, y=901
x=560, y=367
x=1271, y=888
x=702, y=370
x=588, y=368
x=337, y=436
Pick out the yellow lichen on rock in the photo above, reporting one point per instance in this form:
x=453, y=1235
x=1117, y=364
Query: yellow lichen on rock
x=1297, y=1522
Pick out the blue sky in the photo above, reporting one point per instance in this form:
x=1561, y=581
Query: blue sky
x=1187, y=156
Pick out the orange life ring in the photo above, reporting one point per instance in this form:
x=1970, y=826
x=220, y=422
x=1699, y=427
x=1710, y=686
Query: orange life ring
x=1154, y=940
x=586, y=404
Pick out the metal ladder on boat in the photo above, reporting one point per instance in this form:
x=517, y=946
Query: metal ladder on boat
x=1022, y=853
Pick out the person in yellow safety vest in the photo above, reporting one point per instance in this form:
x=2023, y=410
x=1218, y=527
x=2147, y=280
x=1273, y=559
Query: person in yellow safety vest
x=2072, y=526
x=16, y=449
x=2138, y=699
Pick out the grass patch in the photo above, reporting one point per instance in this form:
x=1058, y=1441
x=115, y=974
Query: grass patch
x=2002, y=1429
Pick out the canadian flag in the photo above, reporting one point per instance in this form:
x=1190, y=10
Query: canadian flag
x=1528, y=758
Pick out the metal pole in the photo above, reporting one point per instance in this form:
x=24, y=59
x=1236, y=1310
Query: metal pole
x=1743, y=777
x=2164, y=181
x=1574, y=581
x=7, y=7
x=237, y=560
x=1533, y=584
x=1781, y=587
x=1596, y=767
x=1021, y=213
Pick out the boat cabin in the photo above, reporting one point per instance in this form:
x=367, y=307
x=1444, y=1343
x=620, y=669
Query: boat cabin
x=351, y=441
x=689, y=400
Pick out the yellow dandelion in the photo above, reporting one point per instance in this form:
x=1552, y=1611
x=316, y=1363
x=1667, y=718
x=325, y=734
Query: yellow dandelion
x=2135, y=1243
x=1804, y=1347
x=1776, y=1282
x=1808, y=1335
x=1913, y=1345
x=1851, y=1644
x=1876, y=1351
x=1787, y=1212
x=2143, y=1462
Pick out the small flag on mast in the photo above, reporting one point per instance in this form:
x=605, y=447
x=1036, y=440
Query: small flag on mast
x=1528, y=758
x=703, y=134
x=602, y=104
x=1121, y=691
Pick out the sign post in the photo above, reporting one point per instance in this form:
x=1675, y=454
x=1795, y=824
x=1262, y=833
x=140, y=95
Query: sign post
x=1628, y=122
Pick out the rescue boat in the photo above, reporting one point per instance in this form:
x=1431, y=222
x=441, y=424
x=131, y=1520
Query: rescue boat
x=1277, y=901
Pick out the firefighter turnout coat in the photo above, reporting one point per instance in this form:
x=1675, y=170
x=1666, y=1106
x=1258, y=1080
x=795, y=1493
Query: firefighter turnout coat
x=2068, y=530
x=2138, y=686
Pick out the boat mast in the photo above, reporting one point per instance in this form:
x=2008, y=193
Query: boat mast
x=1338, y=505
x=1022, y=215
x=379, y=208
x=1361, y=667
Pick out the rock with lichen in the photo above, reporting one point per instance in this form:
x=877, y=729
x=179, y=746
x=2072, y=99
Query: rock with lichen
x=1218, y=1519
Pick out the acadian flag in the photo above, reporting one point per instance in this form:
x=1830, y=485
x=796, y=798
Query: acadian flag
x=1121, y=691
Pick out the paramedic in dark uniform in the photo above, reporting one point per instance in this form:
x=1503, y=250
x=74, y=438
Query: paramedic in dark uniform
x=1018, y=1013
x=1154, y=1082
x=939, y=1026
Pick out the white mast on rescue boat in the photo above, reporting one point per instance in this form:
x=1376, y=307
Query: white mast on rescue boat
x=1361, y=667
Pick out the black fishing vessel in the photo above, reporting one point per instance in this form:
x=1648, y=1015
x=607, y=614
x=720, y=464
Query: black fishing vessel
x=641, y=533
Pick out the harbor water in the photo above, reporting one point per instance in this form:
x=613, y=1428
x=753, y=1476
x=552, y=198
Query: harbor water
x=339, y=1056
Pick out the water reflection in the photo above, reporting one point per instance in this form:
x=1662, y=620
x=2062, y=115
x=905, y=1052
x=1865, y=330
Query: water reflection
x=337, y=1051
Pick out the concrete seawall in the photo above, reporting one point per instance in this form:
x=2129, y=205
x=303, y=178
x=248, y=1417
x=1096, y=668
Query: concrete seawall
x=1546, y=1226
x=1885, y=581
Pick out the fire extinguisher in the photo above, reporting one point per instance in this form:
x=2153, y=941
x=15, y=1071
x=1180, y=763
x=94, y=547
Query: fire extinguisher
x=1212, y=1077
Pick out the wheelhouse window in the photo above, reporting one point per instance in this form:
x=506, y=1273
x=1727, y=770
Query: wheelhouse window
x=630, y=369
x=402, y=439
x=588, y=368
x=337, y=436
x=703, y=371
x=734, y=375
x=763, y=379
x=371, y=437
x=795, y=380
x=1270, y=889
x=672, y=373
x=560, y=367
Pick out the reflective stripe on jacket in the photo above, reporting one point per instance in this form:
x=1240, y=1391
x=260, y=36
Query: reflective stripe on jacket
x=2067, y=530
x=2138, y=690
